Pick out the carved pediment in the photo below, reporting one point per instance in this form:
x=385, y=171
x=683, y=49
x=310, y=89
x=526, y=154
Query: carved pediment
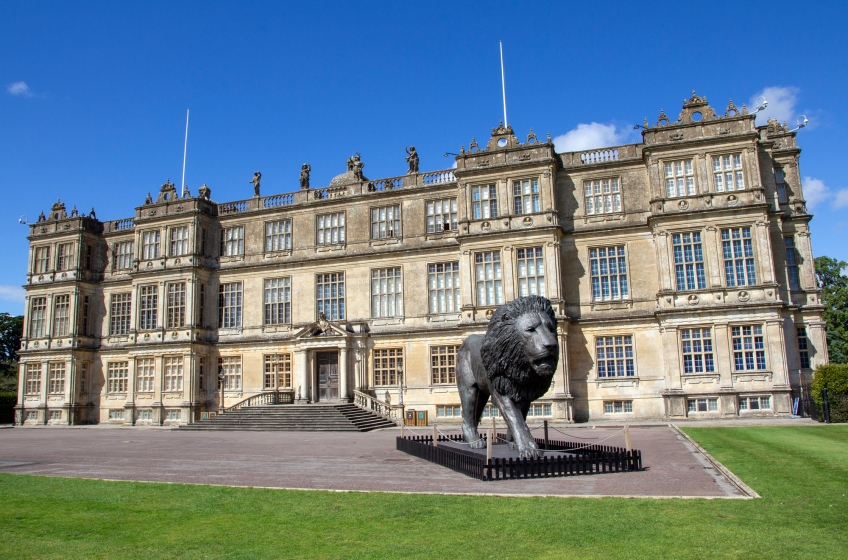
x=323, y=327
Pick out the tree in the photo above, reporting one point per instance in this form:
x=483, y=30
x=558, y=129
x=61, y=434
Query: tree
x=834, y=286
x=11, y=330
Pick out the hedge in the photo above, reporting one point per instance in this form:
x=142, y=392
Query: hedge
x=8, y=400
x=834, y=378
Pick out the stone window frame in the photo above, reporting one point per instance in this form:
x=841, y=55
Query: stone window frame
x=490, y=203
x=803, y=340
x=780, y=185
x=536, y=277
x=84, y=303
x=232, y=368
x=123, y=321
x=737, y=172
x=610, y=406
x=178, y=241
x=173, y=374
x=274, y=373
x=708, y=356
x=38, y=316
x=792, y=277
x=760, y=400
x=621, y=297
x=497, y=280
x=117, y=377
x=148, y=307
x=84, y=371
x=452, y=214
x=753, y=350
x=386, y=365
x=173, y=415
x=232, y=240
x=440, y=373
x=279, y=234
x=395, y=296
x=176, y=305
x=455, y=411
x=271, y=309
x=123, y=258
x=382, y=222
x=744, y=258
x=433, y=275
x=674, y=264
x=521, y=197
x=33, y=372
x=322, y=232
x=65, y=256
x=151, y=248
x=624, y=357
x=327, y=280
x=710, y=403
x=614, y=196
x=686, y=174
x=145, y=374
x=230, y=305
x=41, y=259
x=61, y=315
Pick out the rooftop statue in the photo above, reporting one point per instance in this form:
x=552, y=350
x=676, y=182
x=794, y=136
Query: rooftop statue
x=412, y=158
x=257, y=177
x=305, y=170
x=514, y=363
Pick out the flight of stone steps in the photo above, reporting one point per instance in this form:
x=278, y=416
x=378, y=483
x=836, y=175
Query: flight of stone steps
x=294, y=418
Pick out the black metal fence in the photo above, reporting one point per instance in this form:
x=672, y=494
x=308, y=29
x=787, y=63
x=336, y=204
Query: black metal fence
x=581, y=459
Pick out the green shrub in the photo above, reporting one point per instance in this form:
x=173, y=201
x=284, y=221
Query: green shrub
x=834, y=378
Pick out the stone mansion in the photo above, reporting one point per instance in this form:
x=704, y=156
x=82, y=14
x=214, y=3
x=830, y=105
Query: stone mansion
x=680, y=269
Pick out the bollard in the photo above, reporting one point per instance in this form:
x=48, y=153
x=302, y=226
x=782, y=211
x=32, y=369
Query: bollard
x=435, y=436
x=546, y=434
x=402, y=424
x=494, y=428
x=627, y=437
x=489, y=445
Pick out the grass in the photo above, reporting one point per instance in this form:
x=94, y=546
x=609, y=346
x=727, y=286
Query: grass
x=801, y=472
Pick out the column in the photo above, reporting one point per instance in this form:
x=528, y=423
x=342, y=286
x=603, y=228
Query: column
x=777, y=353
x=723, y=358
x=45, y=382
x=129, y=406
x=553, y=272
x=561, y=381
x=806, y=268
x=713, y=247
x=508, y=274
x=661, y=241
x=764, y=252
x=671, y=357
x=158, y=379
x=817, y=341
x=301, y=388
x=466, y=279
x=344, y=396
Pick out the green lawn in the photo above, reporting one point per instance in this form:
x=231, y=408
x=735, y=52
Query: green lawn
x=801, y=472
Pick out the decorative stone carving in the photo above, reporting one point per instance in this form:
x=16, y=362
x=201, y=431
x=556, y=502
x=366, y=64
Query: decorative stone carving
x=662, y=120
x=186, y=193
x=731, y=110
x=531, y=138
x=355, y=166
x=92, y=215
x=149, y=199
x=474, y=146
x=744, y=296
x=204, y=192
x=305, y=170
x=692, y=299
x=167, y=192
x=57, y=211
x=257, y=178
x=74, y=212
x=412, y=159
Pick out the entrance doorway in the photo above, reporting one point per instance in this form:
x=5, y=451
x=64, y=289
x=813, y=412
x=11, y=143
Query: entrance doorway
x=328, y=376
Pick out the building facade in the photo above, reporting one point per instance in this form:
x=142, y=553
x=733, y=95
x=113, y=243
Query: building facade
x=680, y=269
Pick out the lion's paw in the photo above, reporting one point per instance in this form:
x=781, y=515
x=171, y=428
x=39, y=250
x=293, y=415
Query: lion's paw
x=479, y=443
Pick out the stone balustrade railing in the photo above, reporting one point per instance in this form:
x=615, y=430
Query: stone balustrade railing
x=393, y=412
x=599, y=156
x=118, y=225
x=265, y=398
x=606, y=155
x=278, y=200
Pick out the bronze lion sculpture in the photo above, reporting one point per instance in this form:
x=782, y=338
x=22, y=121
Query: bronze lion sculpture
x=514, y=363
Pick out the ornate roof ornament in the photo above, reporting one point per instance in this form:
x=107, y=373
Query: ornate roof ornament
x=774, y=127
x=167, y=192
x=57, y=211
x=474, y=146
x=502, y=137
x=502, y=130
x=731, y=110
x=662, y=120
x=696, y=109
x=204, y=192
x=531, y=138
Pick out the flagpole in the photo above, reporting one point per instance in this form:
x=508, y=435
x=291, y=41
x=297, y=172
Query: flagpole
x=503, y=85
x=185, y=149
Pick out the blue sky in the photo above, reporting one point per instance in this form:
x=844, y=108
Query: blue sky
x=93, y=98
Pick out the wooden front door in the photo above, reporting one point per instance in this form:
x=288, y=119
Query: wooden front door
x=328, y=376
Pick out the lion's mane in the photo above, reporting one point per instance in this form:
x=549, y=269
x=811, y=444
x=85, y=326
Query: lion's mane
x=503, y=355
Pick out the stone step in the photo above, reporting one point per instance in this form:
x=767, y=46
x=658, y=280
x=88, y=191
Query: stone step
x=316, y=417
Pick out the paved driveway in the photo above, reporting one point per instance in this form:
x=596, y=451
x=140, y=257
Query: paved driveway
x=338, y=461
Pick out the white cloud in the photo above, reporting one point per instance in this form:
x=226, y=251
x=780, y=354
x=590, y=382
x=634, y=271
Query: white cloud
x=11, y=293
x=781, y=105
x=590, y=136
x=816, y=192
x=19, y=88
